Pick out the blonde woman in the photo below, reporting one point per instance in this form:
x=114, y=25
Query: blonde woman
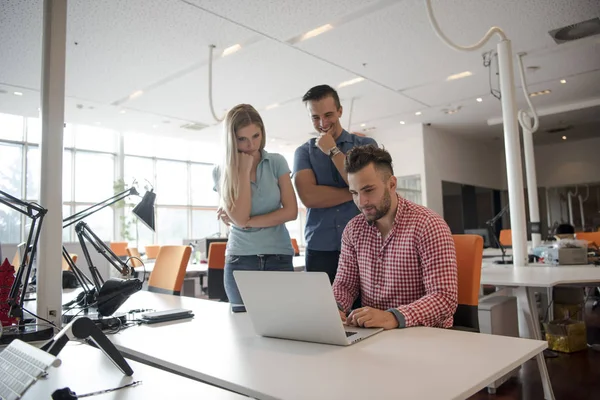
x=257, y=199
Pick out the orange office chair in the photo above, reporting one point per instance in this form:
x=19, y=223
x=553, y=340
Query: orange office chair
x=593, y=238
x=169, y=269
x=216, y=271
x=133, y=252
x=469, y=256
x=65, y=265
x=506, y=237
x=295, y=246
x=152, y=251
x=119, y=248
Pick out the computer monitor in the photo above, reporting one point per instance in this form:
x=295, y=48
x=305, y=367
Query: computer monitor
x=484, y=233
x=202, y=245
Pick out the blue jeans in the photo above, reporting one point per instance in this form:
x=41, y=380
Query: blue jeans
x=266, y=262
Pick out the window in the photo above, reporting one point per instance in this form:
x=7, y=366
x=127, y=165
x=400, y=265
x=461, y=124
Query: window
x=204, y=223
x=34, y=130
x=33, y=173
x=11, y=169
x=95, y=138
x=101, y=222
x=202, y=183
x=171, y=182
x=138, y=169
x=11, y=127
x=94, y=176
x=138, y=144
x=66, y=178
x=409, y=187
x=171, y=225
x=10, y=226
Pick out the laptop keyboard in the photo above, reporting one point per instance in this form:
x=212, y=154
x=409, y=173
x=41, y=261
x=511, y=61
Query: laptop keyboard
x=348, y=334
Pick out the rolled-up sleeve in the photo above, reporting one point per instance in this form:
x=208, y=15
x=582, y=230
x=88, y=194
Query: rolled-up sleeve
x=440, y=278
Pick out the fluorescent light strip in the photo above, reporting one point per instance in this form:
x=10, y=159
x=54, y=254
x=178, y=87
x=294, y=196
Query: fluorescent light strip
x=231, y=49
x=272, y=106
x=136, y=94
x=540, y=93
x=459, y=76
x=351, y=82
x=316, y=32
x=18, y=93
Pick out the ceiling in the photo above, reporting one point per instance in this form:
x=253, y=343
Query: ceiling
x=116, y=48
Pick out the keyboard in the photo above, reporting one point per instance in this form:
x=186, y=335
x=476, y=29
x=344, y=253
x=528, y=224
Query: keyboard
x=348, y=334
x=21, y=364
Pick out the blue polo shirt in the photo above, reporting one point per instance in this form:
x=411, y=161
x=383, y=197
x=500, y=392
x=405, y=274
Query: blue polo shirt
x=266, y=198
x=324, y=226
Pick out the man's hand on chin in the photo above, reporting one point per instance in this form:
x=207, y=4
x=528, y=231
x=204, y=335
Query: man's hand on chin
x=368, y=317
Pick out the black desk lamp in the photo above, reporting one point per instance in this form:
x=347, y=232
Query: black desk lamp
x=16, y=296
x=107, y=296
x=490, y=224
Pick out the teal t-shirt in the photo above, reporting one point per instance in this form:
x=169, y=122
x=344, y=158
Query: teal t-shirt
x=266, y=198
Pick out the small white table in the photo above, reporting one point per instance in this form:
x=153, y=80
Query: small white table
x=221, y=348
x=528, y=279
x=85, y=369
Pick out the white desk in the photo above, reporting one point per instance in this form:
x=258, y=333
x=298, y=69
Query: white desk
x=527, y=280
x=85, y=369
x=221, y=348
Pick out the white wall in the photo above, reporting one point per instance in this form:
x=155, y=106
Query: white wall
x=452, y=158
x=405, y=145
x=568, y=163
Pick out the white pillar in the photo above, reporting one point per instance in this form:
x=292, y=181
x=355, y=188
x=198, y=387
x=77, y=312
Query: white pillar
x=49, y=273
x=532, y=193
x=514, y=167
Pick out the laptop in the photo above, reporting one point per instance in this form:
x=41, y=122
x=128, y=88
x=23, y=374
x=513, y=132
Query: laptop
x=296, y=306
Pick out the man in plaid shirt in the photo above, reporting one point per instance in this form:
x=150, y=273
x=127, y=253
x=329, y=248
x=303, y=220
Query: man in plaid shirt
x=398, y=255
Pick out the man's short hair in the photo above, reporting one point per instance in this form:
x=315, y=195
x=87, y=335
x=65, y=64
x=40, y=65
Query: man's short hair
x=361, y=156
x=320, y=92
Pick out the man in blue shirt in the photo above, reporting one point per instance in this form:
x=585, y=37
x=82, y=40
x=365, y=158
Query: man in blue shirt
x=321, y=181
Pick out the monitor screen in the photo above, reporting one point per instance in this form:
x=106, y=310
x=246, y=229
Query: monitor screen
x=484, y=233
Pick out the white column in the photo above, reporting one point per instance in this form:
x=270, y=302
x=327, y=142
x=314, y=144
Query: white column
x=532, y=193
x=49, y=272
x=514, y=168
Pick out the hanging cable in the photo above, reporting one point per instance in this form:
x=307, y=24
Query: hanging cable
x=523, y=116
x=493, y=30
x=210, y=96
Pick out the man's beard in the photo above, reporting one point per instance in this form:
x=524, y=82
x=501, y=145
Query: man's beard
x=382, y=209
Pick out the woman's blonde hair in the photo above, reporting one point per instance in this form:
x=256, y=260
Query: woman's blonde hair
x=237, y=118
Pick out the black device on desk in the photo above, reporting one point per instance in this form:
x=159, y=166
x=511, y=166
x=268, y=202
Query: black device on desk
x=156, y=317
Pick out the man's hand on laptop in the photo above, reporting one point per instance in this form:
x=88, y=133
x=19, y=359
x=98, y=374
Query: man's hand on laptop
x=343, y=315
x=368, y=317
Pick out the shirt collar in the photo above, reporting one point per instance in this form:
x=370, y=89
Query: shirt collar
x=265, y=155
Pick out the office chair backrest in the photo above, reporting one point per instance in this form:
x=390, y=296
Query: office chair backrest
x=152, y=251
x=65, y=265
x=216, y=267
x=505, y=237
x=592, y=237
x=119, y=248
x=169, y=269
x=295, y=246
x=133, y=252
x=469, y=256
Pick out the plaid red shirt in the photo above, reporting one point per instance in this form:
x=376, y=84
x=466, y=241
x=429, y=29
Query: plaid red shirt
x=414, y=270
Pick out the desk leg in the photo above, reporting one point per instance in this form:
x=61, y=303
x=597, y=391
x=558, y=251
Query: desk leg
x=526, y=298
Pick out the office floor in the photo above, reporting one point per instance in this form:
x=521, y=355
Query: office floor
x=574, y=376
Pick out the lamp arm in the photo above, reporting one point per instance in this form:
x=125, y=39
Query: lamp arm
x=84, y=232
x=79, y=275
x=73, y=219
x=15, y=303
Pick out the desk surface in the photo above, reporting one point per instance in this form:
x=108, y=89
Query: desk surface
x=221, y=348
x=539, y=275
x=85, y=369
x=202, y=268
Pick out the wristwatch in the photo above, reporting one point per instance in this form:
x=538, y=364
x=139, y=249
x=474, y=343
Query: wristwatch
x=334, y=151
